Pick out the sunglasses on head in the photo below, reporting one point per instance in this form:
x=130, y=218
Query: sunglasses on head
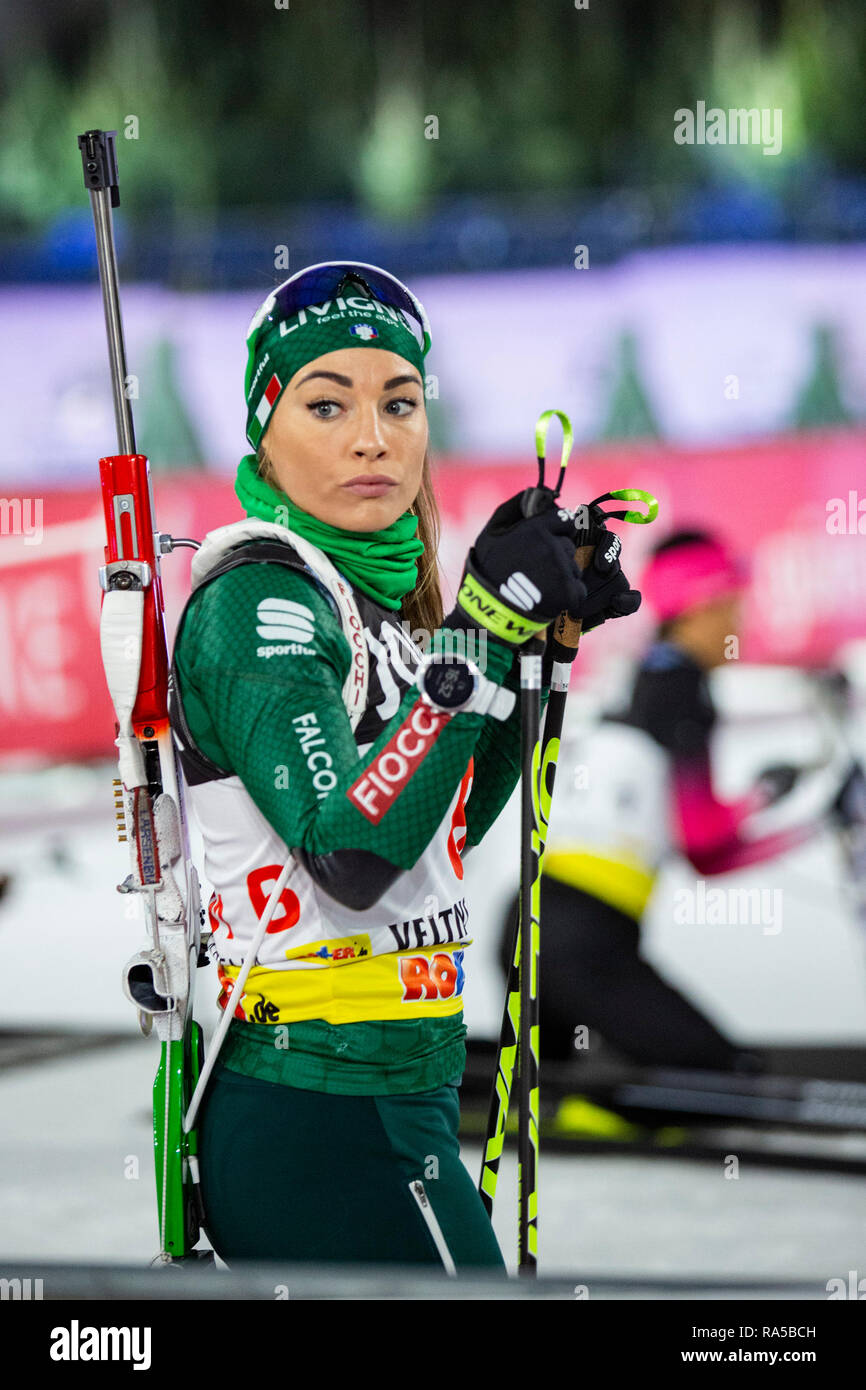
x=318, y=283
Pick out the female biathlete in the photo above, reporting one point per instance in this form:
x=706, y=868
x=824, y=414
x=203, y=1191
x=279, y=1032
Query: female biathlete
x=325, y=709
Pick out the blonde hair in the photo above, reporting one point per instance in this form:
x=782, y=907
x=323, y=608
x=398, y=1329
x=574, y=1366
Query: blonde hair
x=422, y=606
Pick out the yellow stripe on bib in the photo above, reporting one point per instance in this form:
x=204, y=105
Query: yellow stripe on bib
x=423, y=983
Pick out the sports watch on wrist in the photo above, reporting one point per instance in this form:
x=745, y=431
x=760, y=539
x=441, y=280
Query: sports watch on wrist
x=454, y=686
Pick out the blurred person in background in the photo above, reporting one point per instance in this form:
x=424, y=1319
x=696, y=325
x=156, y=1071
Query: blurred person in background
x=643, y=790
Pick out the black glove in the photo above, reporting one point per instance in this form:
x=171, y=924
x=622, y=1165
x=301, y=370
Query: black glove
x=608, y=594
x=521, y=573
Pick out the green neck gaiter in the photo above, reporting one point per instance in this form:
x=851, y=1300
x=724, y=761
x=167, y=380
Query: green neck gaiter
x=383, y=564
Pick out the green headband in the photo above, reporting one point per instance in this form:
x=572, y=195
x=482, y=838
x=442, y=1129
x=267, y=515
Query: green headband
x=279, y=348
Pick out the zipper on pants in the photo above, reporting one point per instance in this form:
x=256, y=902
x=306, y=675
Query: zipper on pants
x=416, y=1187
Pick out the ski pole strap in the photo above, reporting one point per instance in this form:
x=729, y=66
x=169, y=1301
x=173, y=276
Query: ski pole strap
x=630, y=494
x=541, y=427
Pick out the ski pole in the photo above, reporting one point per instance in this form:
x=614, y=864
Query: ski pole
x=528, y=957
x=517, y=1021
x=527, y=949
x=564, y=644
x=565, y=641
x=519, y=1032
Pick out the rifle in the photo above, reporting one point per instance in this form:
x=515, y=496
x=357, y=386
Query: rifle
x=149, y=800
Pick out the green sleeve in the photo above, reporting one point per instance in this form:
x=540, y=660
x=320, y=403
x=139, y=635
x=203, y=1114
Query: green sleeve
x=278, y=722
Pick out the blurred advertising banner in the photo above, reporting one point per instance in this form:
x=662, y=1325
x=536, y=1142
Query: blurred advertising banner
x=790, y=505
x=699, y=346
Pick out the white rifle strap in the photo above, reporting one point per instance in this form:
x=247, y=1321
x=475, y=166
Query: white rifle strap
x=237, y=993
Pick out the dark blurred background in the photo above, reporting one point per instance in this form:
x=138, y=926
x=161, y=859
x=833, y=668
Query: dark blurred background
x=307, y=125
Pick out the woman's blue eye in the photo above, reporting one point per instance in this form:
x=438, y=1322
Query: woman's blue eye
x=316, y=406
x=401, y=400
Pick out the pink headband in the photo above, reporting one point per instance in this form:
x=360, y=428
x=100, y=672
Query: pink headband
x=689, y=576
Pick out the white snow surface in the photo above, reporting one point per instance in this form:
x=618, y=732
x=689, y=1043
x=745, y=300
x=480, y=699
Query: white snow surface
x=78, y=1186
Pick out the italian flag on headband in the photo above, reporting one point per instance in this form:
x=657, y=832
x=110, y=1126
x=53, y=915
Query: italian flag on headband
x=264, y=408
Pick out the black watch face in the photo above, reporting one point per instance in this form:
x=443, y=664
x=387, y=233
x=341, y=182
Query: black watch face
x=449, y=684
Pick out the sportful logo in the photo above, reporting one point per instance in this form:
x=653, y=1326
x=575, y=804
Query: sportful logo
x=520, y=591
x=376, y=789
x=364, y=330
x=290, y=625
x=502, y=621
x=613, y=549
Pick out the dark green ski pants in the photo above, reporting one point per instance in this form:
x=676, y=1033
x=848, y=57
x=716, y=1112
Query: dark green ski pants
x=298, y=1175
